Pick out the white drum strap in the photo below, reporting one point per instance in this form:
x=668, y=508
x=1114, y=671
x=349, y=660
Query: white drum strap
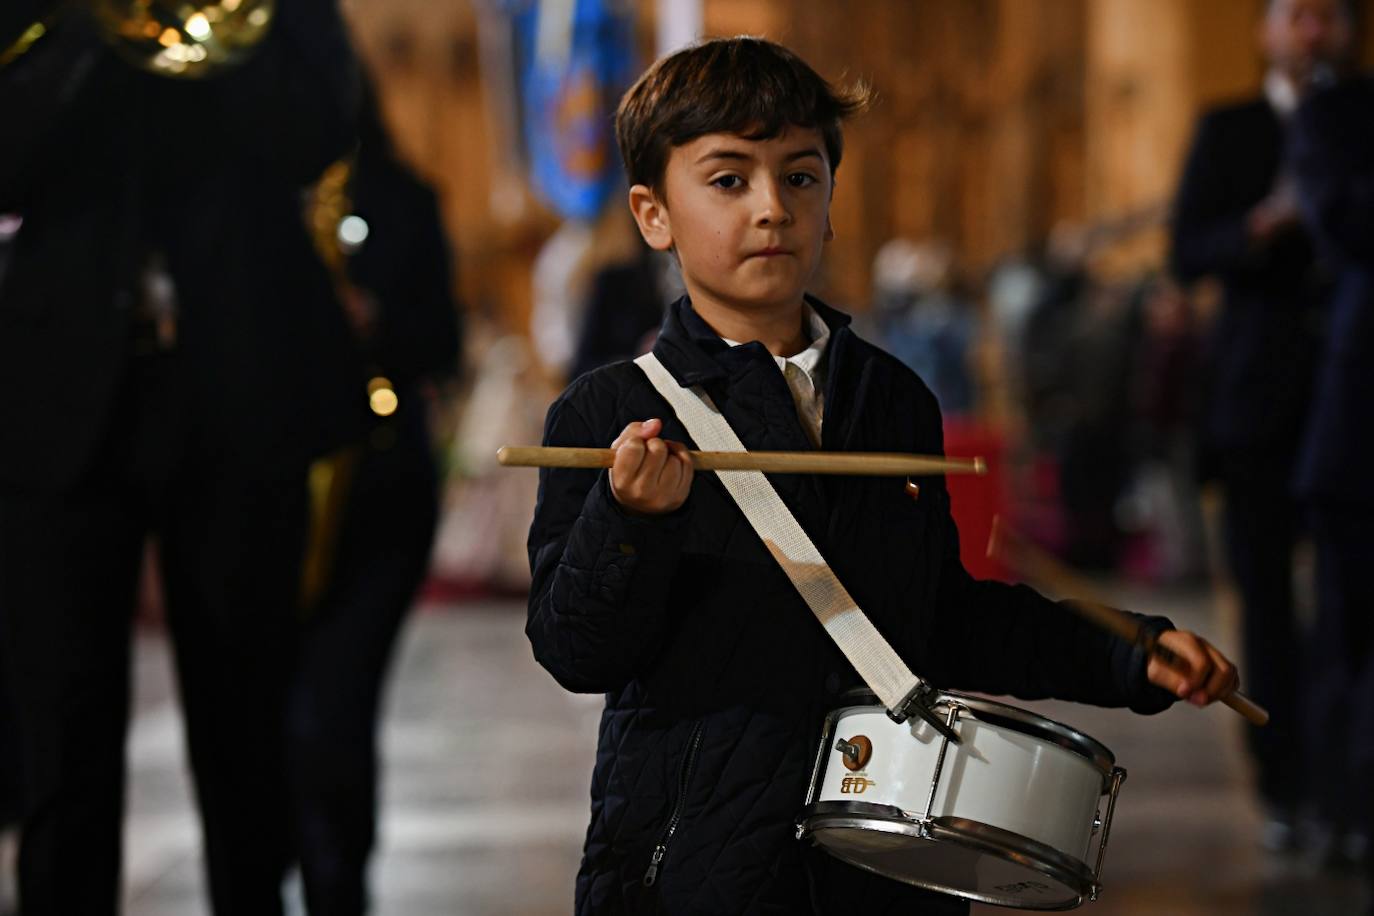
x=880, y=667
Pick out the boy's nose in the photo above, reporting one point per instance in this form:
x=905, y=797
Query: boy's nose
x=772, y=209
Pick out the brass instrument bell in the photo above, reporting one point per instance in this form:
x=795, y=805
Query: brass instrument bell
x=181, y=38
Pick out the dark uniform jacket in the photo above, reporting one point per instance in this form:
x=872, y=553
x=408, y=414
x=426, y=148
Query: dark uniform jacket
x=717, y=676
x=105, y=164
x=1334, y=155
x=1261, y=349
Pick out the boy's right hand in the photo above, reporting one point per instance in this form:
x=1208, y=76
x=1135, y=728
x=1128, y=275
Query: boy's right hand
x=651, y=476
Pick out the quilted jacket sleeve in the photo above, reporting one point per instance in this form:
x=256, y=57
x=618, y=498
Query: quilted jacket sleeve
x=1009, y=639
x=1018, y=642
x=599, y=599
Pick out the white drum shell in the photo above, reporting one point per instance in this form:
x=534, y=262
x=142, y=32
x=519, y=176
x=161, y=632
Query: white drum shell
x=996, y=775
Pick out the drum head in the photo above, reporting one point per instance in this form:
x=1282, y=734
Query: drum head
x=964, y=859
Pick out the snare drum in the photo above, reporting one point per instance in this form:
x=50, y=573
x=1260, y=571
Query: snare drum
x=1008, y=816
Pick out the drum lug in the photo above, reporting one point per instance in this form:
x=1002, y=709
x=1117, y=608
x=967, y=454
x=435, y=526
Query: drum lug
x=1118, y=777
x=946, y=731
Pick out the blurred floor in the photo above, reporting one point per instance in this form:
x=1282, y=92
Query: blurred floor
x=488, y=763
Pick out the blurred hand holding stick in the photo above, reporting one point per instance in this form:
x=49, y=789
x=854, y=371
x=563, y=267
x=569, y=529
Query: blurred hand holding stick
x=1045, y=571
x=879, y=464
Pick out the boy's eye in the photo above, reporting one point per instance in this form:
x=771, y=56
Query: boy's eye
x=727, y=182
x=801, y=179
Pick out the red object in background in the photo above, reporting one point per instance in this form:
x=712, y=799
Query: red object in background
x=975, y=500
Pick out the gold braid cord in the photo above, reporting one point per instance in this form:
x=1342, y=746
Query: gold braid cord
x=329, y=202
x=23, y=43
x=330, y=476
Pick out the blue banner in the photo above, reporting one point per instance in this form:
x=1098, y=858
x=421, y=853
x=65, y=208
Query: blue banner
x=576, y=58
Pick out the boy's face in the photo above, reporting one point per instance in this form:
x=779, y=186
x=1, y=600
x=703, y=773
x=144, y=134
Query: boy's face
x=747, y=218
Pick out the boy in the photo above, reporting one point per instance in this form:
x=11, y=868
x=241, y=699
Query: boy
x=650, y=586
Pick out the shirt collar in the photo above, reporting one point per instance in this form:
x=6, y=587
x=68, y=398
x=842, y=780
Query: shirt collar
x=690, y=349
x=1282, y=96
x=810, y=358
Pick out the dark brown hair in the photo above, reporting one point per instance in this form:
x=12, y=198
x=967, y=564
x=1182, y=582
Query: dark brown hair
x=747, y=86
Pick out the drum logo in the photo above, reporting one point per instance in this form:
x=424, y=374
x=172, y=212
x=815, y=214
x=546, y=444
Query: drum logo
x=857, y=752
x=855, y=785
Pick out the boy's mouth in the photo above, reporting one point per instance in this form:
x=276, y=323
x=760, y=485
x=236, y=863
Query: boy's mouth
x=769, y=252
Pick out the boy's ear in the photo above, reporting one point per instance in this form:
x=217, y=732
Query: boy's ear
x=829, y=229
x=651, y=215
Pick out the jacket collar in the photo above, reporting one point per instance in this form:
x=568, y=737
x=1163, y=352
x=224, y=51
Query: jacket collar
x=691, y=351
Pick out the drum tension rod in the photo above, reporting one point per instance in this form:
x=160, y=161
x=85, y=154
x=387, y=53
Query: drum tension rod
x=920, y=701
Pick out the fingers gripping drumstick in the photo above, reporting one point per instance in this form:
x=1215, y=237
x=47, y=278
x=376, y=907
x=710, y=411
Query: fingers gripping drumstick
x=1038, y=566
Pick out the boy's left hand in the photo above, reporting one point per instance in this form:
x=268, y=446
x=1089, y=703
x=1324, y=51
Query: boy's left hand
x=1207, y=675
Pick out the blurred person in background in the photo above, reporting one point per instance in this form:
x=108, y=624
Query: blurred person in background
x=625, y=308
x=1014, y=285
x=1079, y=342
x=1333, y=152
x=922, y=322
x=1236, y=219
x=379, y=226
x=1164, y=507
x=595, y=294
x=561, y=278
x=173, y=357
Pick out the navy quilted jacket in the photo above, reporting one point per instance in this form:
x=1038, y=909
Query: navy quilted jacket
x=717, y=677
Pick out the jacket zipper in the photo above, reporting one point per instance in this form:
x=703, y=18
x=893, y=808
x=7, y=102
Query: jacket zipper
x=684, y=776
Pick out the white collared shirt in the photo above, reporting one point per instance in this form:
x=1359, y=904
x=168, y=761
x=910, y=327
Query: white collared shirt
x=805, y=375
x=1280, y=92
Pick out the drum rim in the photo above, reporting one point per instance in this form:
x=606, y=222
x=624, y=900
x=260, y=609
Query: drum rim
x=1020, y=720
x=1024, y=851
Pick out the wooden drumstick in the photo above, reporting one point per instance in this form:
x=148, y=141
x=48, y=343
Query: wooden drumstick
x=877, y=464
x=1038, y=566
